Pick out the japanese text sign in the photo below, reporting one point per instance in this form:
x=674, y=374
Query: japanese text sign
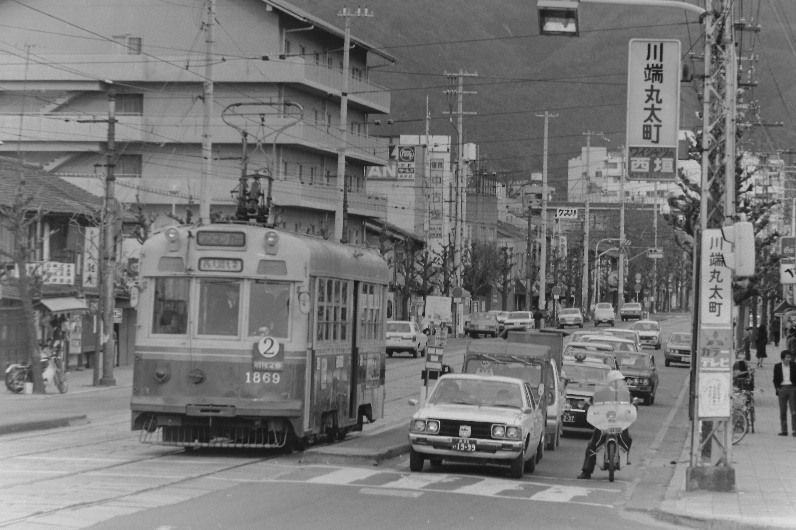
x=653, y=102
x=715, y=297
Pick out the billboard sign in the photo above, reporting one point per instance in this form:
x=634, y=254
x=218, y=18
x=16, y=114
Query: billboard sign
x=653, y=102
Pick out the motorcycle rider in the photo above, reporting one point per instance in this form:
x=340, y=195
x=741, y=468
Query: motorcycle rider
x=613, y=389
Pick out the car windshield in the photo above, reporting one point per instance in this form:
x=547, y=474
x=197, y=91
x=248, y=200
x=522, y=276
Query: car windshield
x=639, y=362
x=629, y=335
x=477, y=392
x=398, y=327
x=525, y=369
x=570, y=312
x=604, y=306
x=484, y=316
x=519, y=315
x=680, y=337
x=584, y=374
x=617, y=344
x=646, y=326
x=632, y=307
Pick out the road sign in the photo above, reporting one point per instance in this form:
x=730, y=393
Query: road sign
x=787, y=246
x=787, y=273
x=655, y=253
x=434, y=359
x=566, y=213
x=637, y=288
x=653, y=108
x=556, y=291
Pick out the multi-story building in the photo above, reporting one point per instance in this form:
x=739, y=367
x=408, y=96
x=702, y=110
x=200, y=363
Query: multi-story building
x=277, y=78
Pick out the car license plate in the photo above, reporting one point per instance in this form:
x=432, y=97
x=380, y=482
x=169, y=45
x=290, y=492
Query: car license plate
x=461, y=444
x=568, y=418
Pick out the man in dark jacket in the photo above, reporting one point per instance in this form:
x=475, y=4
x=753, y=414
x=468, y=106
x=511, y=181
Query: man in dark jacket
x=537, y=319
x=785, y=385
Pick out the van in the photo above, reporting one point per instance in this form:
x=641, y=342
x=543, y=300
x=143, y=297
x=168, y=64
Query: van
x=534, y=363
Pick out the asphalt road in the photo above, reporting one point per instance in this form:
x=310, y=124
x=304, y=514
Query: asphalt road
x=99, y=474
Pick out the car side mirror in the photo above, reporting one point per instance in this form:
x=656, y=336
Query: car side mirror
x=413, y=402
x=541, y=389
x=635, y=401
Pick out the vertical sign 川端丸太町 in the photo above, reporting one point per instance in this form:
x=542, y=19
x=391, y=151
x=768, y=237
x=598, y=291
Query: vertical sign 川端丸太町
x=653, y=103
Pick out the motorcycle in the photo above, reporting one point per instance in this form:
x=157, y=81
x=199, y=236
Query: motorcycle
x=612, y=417
x=20, y=373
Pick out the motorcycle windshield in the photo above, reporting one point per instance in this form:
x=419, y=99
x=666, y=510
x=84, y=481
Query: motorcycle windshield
x=615, y=391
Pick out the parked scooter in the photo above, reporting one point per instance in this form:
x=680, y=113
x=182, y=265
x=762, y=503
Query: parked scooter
x=612, y=417
x=20, y=373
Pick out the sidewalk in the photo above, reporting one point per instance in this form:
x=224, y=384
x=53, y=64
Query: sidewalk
x=764, y=463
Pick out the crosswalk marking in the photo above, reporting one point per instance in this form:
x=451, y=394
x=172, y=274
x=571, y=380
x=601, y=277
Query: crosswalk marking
x=382, y=482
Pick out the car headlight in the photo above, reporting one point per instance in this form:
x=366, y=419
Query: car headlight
x=515, y=433
x=582, y=404
x=427, y=426
x=498, y=431
x=645, y=381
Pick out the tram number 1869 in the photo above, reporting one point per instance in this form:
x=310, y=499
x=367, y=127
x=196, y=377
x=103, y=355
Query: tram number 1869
x=262, y=377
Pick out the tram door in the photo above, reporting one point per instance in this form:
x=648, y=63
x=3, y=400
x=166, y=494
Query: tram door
x=357, y=372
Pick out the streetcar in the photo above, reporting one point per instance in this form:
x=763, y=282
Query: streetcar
x=254, y=337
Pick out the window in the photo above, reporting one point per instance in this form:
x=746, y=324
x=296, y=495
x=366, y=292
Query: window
x=130, y=104
x=312, y=175
x=127, y=45
x=302, y=50
x=333, y=312
x=128, y=166
x=269, y=309
x=170, y=314
x=317, y=58
x=301, y=172
x=330, y=62
x=219, y=307
x=284, y=169
x=316, y=115
x=371, y=321
x=328, y=121
x=356, y=73
x=287, y=47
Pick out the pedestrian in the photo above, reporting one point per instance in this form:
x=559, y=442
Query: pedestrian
x=790, y=343
x=537, y=319
x=747, y=344
x=760, y=344
x=775, y=331
x=784, y=381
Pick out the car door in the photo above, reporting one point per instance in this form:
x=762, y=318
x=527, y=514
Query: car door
x=654, y=373
x=533, y=419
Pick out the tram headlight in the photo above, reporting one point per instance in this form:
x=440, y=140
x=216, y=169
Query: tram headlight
x=271, y=242
x=173, y=238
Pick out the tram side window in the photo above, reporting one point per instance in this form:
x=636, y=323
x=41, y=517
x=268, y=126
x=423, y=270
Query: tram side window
x=269, y=309
x=219, y=306
x=332, y=310
x=371, y=323
x=170, y=314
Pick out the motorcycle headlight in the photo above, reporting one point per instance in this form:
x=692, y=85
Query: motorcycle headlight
x=498, y=431
x=582, y=404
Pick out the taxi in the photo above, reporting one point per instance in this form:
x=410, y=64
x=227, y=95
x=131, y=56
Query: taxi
x=479, y=419
x=649, y=331
x=641, y=375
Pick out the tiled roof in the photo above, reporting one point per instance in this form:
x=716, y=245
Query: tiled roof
x=51, y=194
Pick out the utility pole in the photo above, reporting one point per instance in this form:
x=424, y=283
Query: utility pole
x=459, y=218
x=341, y=151
x=655, y=237
x=587, y=186
x=620, y=287
x=104, y=360
x=528, y=259
x=543, y=251
x=207, y=112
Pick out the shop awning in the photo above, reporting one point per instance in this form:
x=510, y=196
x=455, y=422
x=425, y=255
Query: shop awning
x=64, y=304
x=782, y=308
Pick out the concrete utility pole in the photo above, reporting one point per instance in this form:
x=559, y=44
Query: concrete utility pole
x=341, y=151
x=543, y=251
x=459, y=218
x=655, y=261
x=207, y=114
x=109, y=345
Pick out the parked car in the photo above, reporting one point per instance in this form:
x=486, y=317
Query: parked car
x=627, y=334
x=640, y=374
x=570, y=317
x=630, y=310
x=501, y=318
x=649, y=332
x=481, y=324
x=678, y=349
x=404, y=335
x=519, y=320
x=478, y=419
x=582, y=377
x=604, y=313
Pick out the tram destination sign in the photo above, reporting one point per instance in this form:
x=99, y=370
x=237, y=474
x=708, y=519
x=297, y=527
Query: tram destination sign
x=211, y=238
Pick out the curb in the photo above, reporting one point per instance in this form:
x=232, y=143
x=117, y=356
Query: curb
x=352, y=455
x=49, y=423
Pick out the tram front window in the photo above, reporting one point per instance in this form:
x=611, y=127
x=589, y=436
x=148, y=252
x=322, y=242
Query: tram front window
x=269, y=307
x=219, y=307
x=171, y=306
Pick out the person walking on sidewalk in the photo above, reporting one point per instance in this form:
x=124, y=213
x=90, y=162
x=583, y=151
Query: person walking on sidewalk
x=784, y=384
x=760, y=344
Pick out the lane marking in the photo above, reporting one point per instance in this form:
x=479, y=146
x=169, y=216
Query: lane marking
x=391, y=492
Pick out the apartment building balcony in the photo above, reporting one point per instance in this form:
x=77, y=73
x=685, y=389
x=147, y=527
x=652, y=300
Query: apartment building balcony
x=321, y=196
x=64, y=132
x=319, y=78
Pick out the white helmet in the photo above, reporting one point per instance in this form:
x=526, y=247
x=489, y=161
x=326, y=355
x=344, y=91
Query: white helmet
x=614, y=375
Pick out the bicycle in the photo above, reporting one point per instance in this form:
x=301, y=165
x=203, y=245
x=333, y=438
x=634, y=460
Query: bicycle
x=743, y=409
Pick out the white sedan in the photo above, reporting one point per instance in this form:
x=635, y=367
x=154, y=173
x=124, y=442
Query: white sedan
x=479, y=419
x=405, y=335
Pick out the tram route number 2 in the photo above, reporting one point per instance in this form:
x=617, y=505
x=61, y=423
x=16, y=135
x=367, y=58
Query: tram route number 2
x=263, y=377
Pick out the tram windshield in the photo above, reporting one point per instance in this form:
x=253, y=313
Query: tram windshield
x=170, y=314
x=219, y=306
x=269, y=307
